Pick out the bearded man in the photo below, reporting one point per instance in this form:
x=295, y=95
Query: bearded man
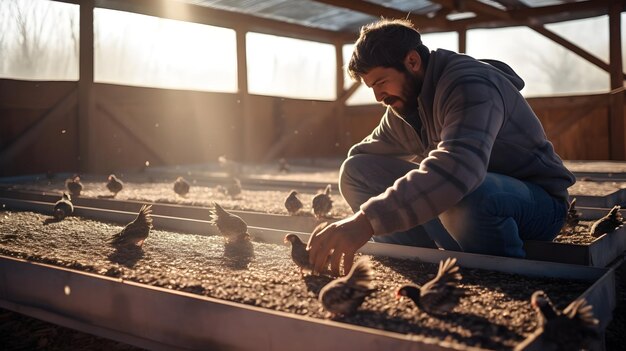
x=458, y=159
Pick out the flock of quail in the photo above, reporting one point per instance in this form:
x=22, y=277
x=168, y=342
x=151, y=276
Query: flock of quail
x=572, y=328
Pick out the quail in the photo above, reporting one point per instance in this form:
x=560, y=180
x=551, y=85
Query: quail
x=322, y=203
x=572, y=219
x=135, y=232
x=574, y=328
x=299, y=253
x=63, y=207
x=232, y=188
x=231, y=226
x=342, y=296
x=74, y=186
x=439, y=295
x=609, y=223
x=114, y=185
x=292, y=203
x=181, y=186
x=283, y=166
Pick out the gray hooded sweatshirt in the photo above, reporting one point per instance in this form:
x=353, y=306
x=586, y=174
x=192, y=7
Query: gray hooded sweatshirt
x=474, y=121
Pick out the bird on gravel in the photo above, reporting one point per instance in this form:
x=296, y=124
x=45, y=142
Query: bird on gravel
x=283, y=166
x=114, y=184
x=74, y=186
x=232, y=188
x=574, y=328
x=181, y=186
x=439, y=295
x=292, y=203
x=231, y=226
x=299, y=253
x=609, y=223
x=322, y=203
x=572, y=219
x=135, y=232
x=342, y=296
x=63, y=207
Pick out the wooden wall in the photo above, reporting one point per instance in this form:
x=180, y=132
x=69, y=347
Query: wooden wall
x=38, y=127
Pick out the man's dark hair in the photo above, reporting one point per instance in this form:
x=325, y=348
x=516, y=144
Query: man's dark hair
x=385, y=43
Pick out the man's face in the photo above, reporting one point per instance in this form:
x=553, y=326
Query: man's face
x=396, y=89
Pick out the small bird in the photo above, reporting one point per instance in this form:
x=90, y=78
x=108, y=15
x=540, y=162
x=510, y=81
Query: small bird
x=292, y=203
x=181, y=186
x=63, y=207
x=74, y=186
x=574, y=328
x=342, y=296
x=609, y=223
x=439, y=295
x=283, y=166
x=231, y=226
x=232, y=188
x=322, y=203
x=135, y=232
x=572, y=219
x=114, y=185
x=299, y=253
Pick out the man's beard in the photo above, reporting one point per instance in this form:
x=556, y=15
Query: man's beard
x=410, y=91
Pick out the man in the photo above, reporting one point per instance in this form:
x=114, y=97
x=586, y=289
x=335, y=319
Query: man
x=458, y=153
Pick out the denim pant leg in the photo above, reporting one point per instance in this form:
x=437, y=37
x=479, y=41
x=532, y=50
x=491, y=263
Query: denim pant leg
x=364, y=176
x=502, y=212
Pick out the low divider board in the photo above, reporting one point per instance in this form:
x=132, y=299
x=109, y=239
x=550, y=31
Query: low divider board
x=617, y=197
x=600, y=253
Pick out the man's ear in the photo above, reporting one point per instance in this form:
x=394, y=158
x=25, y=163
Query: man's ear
x=413, y=61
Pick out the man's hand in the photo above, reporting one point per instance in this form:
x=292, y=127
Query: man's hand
x=339, y=239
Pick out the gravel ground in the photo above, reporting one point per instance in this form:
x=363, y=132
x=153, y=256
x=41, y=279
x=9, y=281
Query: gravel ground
x=581, y=235
x=495, y=313
x=593, y=188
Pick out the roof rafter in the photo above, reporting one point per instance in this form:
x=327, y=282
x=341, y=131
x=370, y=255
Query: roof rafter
x=379, y=10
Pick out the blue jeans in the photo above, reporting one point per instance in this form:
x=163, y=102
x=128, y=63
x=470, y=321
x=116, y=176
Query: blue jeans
x=494, y=219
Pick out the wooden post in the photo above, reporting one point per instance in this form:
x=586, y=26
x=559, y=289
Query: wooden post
x=343, y=122
x=242, y=125
x=616, y=108
x=86, y=108
x=462, y=41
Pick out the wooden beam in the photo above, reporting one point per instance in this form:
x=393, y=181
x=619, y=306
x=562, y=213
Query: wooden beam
x=573, y=48
x=376, y=10
x=229, y=19
x=30, y=135
x=567, y=7
x=308, y=123
x=340, y=115
x=86, y=102
x=462, y=41
x=616, y=119
x=473, y=6
x=242, y=123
